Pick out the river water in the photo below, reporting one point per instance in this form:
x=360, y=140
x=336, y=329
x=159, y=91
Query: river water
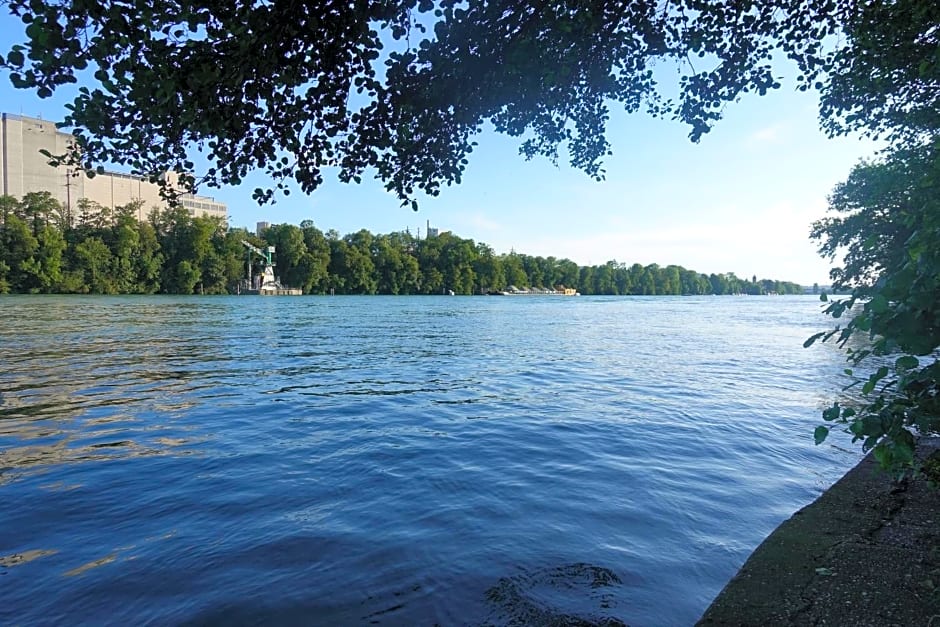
x=400, y=460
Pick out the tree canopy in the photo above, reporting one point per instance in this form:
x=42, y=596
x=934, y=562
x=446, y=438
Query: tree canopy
x=399, y=88
x=885, y=219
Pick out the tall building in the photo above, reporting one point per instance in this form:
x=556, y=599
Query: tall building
x=23, y=169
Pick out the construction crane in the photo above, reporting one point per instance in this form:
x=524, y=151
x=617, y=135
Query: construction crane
x=268, y=256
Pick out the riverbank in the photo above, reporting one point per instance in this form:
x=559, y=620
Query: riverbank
x=866, y=552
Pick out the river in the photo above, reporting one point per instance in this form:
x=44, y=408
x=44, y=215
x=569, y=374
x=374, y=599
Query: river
x=400, y=460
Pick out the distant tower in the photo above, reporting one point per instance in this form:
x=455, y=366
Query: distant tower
x=261, y=227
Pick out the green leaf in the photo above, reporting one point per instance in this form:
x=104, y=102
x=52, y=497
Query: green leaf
x=823, y=297
x=35, y=30
x=812, y=339
x=820, y=434
x=883, y=455
x=878, y=304
x=907, y=362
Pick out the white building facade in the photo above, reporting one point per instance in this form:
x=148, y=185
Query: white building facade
x=23, y=169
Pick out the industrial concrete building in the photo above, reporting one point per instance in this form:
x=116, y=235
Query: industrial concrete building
x=23, y=169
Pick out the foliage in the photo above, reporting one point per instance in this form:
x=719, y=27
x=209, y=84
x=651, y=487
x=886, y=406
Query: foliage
x=110, y=252
x=883, y=81
x=886, y=81
x=401, y=87
x=889, y=226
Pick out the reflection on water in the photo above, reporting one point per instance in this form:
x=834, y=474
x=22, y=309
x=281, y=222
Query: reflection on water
x=562, y=595
x=18, y=559
x=400, y=460
x=64, y=451
x=107, y=559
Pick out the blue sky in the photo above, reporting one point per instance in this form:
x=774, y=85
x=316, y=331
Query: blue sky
x=742, y=200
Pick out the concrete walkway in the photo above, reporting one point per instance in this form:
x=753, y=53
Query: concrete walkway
x=866, y=552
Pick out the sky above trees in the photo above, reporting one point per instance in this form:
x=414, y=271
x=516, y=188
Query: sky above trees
x=742, y=200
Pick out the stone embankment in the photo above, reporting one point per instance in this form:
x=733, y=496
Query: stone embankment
x=866, y=552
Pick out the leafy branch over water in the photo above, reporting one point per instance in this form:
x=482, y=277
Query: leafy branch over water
x=886, y=219
x=892, y=233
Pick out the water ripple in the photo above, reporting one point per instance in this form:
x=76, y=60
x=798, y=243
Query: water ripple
x=399, y=460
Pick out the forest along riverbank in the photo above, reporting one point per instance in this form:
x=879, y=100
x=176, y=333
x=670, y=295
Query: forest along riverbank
x=866, y=552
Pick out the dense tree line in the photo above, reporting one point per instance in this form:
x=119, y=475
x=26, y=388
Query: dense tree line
x=104, y=251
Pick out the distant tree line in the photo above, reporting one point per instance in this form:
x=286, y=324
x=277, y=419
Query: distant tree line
x=97, y=250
